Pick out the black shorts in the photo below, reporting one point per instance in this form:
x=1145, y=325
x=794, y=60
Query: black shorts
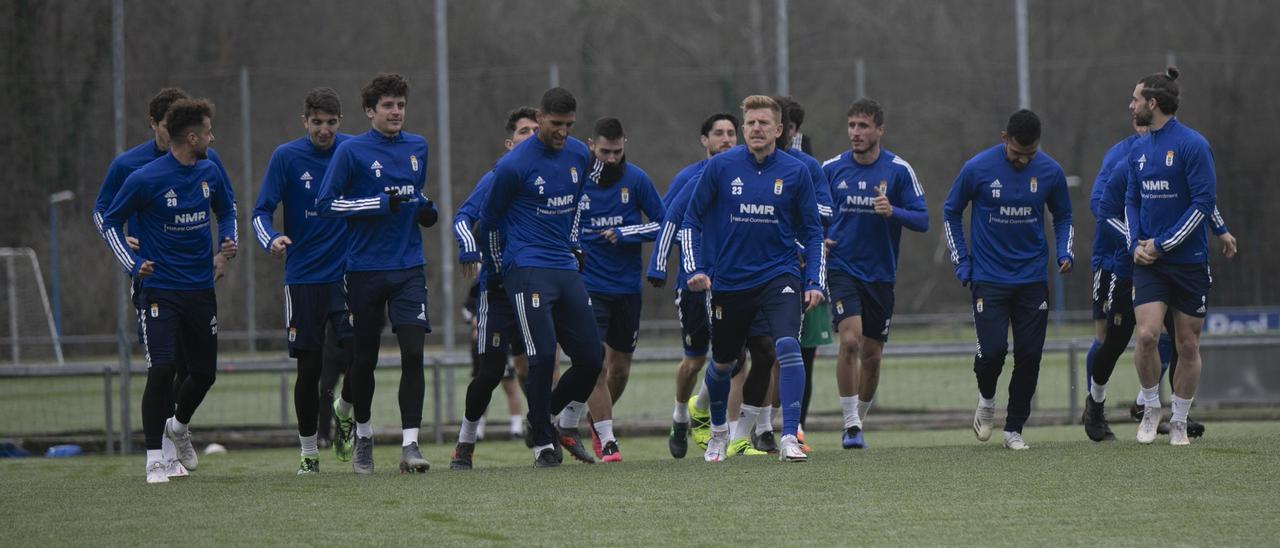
x=778, y=302
x=1184, y=287
x=177, y=320
x=309, y=309
x=496, y=327
x=695, y=332
x=873, y=301
x=1112, y=294
x=617, y=319
x=375, y=296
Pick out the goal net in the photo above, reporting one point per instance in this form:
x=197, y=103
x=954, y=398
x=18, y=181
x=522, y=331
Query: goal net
x=27, y=334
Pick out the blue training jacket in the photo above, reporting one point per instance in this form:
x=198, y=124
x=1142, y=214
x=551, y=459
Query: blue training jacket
x=761, y=211
x=866, y=243
x=363, y=169
x=171, y=202
x=624, y=207
x=676, y=202
x=123, y=166
x=319, y=250
x=1172, y=189
x=1007, y=221
x=535, y=197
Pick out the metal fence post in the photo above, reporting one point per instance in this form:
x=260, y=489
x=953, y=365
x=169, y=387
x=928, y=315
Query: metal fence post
x=107, y=431
x=436, y=426
x=1072, y=377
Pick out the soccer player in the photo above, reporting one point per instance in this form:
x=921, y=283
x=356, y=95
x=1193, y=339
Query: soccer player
x=375, y=181
x=620, y=210
x=529, y=224
x=761, y=202
x=1113, y=288
x=170, y=199
x=315, y=250
x=1009, y=185
x=497, y=333
x=878, y=195
x=120, y=169
x=719, y=133
x=1172, y=189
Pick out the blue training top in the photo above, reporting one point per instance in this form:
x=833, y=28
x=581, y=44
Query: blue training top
x=1172, y=189
x=623, y=206
x=866, y=243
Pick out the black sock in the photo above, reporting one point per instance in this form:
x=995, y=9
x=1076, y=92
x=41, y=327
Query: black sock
x=413, y=382
x=808, y=354
x=156, y=404
x=306, y=391
x=480, y=390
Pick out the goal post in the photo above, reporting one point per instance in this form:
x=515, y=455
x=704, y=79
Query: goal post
x=27, y=326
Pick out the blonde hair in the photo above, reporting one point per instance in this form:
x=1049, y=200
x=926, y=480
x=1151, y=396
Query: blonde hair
x=754, y=102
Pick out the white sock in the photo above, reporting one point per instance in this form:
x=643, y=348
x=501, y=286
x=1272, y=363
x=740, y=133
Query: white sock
x=517, y=425
x=480, y=428
x=746, y=421
x=1140, y=399
x=720, y=428
x=154, y=455
x=987, y=403
x=765, y=422
x=408, y=436
x=864, y=407
x=1150, y=397
x=176, y=427
x=1180, y=408
x=309, y=448
x=604, y=429
x=732, y=428
x=1098, y=392
x=702, y=402
x=538, y=449
x=849, y=408
x=571, y=415
x=364, y=430
x=344, y=408
x=680, y=413
x=467, y=432
x=169, y=451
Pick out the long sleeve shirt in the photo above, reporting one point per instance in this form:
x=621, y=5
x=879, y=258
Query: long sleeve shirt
x=171, y=203
x=761, y=210
x=632, y=209
x=1172, y=189
x=319, y=250
x=123, y=166
x=677, y=202
x=363, y=171
x=866, y=243
x=1007, y=222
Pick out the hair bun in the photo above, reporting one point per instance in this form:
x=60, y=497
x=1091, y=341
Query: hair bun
x=1171, y=72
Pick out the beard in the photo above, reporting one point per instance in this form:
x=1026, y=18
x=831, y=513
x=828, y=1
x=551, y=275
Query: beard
x=202, y=153
x=1143, y=117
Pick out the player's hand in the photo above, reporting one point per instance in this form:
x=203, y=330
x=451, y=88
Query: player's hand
x=395, y=199
x=229, y=248
x=611, y=235
x=219, y=267
x=964, y=273
x=470, y=270
x=1228, y=245
x=830, y=243
x=133, y=243
x=656, y=282
x=1064, y=266
x=279, y=244
x=1145, y=253
x=427, y=214
x=699, y=282
x=812, y=298
x=882, y=205
x=146, y=270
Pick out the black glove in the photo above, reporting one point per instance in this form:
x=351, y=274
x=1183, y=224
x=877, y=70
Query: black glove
x=581, y=256
x=427, y=214
x=657, y=282
x=395, y=199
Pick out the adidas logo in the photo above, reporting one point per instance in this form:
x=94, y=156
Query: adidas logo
x=539, y=181
x=376, y=165
x=996, y=184
x=842, y=185
x=171, y=194
x=1044, y=305
x=736, y=181
x=1200, y=310
x=787, y=290
x=306, y=175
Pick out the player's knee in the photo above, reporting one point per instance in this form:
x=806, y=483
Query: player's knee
x=786, y=346
x=851, y=340
x=204, y=379
x=1146, y=336
x=869, y=357
x=1187, y=344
